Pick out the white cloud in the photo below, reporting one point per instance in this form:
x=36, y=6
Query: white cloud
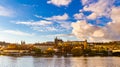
x=38, y=16
x=115, y=14
x=37, y=23
x=5, y=12
x=111, y=31
x=98, y=33
x=92, y=16
x=63, y=26
x=41, y=26
x=61, y=19
x=47, y=25
x=100, y=8
x=51, y=29
x=59, y=2
x=58, y=17
x=85, y=2
x=79, y=16
x=66, y=25
x=114, y=26
x=84, y=30
x=16, y=32
x=44, y=29
x=55, y=17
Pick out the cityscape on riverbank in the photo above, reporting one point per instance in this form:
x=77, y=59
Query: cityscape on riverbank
x=61, y=48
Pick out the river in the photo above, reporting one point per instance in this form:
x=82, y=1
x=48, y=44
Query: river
x=30, y=61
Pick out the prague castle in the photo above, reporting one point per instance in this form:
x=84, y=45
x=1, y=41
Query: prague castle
x=82, y=44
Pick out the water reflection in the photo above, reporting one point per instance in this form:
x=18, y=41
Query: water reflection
x=29, y=61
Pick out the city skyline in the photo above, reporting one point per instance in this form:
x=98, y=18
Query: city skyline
x=42, y=20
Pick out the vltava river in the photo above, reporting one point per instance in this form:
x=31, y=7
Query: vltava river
x=29, y=61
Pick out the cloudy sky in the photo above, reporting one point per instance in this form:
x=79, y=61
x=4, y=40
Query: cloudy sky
x=43, y=20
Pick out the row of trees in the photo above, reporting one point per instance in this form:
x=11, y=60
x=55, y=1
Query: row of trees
x=74, y=51
x=78, y=50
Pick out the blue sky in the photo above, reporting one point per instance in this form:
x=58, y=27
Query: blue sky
x=43, y=20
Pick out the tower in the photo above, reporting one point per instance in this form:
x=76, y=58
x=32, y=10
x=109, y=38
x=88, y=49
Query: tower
x=56, y=41
x=22, y=42
x=85, y=44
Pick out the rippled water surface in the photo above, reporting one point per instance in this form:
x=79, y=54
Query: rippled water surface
x=29, y=61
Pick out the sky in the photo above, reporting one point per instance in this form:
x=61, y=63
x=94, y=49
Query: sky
x=43, y=20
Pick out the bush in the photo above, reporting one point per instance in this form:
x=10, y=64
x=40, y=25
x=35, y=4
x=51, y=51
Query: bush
x=50, y=51
x=76, y=51
x=37, y=50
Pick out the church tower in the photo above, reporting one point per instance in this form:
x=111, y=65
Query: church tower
x=56, y=41
x=22, y=42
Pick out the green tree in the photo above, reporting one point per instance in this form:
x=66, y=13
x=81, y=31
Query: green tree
x=87, y=51
x=76, y=51
x=103, y=51
x=37, y=50
x=93, y=52
x=50, y=51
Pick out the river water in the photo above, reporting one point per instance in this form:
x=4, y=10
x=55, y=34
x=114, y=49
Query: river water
x=29, y=61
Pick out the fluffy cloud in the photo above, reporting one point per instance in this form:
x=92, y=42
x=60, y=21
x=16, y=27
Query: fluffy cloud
x=79, y=16
x=113, y=28
x=37, y=23
x=92, y=16
x=115, y=14
x=5, y=12
x=16, y=32
x=58, y=17
x=41, y=26
x=59, y=2
x=98, y=33
x=85, y=2
x=111, y=31
x=98, y=9
x=66, y=25
x=84, y=30
x=55, y=23
x=47, y=26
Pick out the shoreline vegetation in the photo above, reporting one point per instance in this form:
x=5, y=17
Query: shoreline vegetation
x=75, y=52
x=34, y=55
